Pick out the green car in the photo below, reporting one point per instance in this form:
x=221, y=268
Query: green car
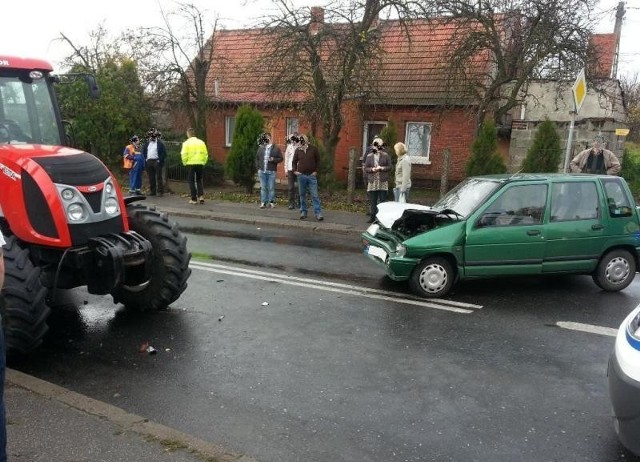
x=501, y=225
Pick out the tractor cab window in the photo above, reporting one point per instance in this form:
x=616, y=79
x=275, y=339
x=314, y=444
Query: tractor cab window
x=26, y=110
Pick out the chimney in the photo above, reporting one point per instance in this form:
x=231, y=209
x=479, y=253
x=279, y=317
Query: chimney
x=317, y=19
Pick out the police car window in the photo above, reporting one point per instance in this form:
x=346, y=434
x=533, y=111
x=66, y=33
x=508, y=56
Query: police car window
x=573, y=201
x=618, y=202
x=518, y=205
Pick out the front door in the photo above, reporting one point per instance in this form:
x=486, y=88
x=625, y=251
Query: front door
x=506, y=237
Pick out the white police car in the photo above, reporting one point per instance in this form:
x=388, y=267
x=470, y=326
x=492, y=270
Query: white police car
x=624, y=382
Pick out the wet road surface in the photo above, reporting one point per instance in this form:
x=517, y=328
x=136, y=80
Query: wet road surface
x=287, y=358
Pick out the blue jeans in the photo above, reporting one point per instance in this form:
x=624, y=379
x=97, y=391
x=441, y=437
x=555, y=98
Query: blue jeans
x=267, y=186
x=310, y=183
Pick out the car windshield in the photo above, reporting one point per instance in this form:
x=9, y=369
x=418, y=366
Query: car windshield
x=26, y=110
x=467, y=196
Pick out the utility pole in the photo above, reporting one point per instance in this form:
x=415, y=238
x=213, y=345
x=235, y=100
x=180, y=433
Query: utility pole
x=617, y=32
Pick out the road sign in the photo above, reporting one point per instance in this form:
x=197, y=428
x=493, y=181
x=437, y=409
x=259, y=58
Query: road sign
x=579, y=90
x=622, y=131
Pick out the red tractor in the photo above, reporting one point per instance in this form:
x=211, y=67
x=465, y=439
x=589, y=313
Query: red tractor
x=65, y=220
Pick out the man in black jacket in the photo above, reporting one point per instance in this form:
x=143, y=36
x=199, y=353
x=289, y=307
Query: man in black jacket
x=154, y=154
x=268, y=157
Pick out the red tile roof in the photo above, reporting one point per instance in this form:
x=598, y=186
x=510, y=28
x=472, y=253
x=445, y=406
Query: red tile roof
x=413, y=66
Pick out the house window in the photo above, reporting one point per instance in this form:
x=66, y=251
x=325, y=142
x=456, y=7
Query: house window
x=293, y=125
x=418, y=141
x=229, y=127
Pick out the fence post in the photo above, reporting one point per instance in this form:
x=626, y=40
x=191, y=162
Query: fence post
x=351, y=178
x=444, y=179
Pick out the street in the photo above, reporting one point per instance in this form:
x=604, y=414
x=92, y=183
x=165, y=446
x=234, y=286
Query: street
x=292, y=346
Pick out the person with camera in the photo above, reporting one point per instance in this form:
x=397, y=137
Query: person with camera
x=268, y=157
x=293, y=141
x=305, y=164
x=377, y=166
x=154, y=154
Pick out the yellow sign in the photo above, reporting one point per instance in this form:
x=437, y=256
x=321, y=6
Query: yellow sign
x=579, y=90
x=622, y=131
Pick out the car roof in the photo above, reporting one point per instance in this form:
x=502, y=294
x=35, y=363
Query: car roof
x=507, y=178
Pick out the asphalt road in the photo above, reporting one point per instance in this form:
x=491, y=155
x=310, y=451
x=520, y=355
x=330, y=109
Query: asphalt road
x=291, y=346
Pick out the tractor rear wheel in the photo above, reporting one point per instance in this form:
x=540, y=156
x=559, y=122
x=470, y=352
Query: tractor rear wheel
x=24, y=308
x=169, y=268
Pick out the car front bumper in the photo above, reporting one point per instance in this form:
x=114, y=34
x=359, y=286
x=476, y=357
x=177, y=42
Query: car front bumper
x=625, y=400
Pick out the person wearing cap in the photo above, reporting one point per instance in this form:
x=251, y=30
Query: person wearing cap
x=154, y=154
x=377, y=166
x=194, y=155
x=596, y=159
x=134, y=162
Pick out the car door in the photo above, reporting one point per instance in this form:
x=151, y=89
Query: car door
x=575, y=232
x=506, y=237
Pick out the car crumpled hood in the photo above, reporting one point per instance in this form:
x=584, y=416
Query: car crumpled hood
x=390, y=212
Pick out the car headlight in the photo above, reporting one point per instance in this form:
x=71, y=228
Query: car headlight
x=373, y=229
x=67, y=194
x=76, y=212
x=401, y=250
x=111, y=206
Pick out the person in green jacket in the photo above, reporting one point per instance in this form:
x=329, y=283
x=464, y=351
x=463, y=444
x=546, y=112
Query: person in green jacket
x=194, y=155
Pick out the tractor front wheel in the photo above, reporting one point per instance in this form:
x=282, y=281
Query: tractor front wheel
x=169, y=268
x=24, y=308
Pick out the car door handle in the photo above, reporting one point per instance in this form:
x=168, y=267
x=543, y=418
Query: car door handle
x=597, y=227
x=533, y=232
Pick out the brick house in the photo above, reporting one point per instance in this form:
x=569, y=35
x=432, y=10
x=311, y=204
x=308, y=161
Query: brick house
x=412, y=89
x=412, y=93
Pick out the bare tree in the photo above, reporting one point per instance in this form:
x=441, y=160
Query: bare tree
x=631, y=89
x=521, y=40
x=325, y=57
x=176, y=59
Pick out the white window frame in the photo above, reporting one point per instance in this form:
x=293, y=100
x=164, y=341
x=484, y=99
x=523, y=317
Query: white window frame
x=422, y=158
x=228, y=137
x=292, y=121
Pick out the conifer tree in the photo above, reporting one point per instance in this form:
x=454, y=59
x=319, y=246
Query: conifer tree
x=241, y=163
x=485, y=158
x=545, y=153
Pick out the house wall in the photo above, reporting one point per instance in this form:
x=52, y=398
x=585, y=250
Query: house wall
x=601, y=113
x=451, y=129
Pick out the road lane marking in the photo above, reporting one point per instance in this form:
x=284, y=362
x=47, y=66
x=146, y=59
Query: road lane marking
x=334, y=287
x=588, y=328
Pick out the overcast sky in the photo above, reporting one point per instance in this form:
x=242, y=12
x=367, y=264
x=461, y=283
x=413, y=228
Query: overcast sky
x=29, y=28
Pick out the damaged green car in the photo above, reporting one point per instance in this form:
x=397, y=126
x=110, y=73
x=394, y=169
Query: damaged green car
x=501, y=225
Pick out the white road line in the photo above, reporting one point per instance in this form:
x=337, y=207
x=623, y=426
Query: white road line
x=588, y=328
x=323, y=285
x=336, y=284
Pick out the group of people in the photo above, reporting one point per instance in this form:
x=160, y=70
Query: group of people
x=377, y=166
x=151, y=157
x=301, y=165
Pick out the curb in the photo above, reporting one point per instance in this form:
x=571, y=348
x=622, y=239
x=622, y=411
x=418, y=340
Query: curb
x=128, y=422
x=310, y=225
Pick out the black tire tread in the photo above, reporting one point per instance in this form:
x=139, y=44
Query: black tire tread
x=25, y=311
x=170, y=266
